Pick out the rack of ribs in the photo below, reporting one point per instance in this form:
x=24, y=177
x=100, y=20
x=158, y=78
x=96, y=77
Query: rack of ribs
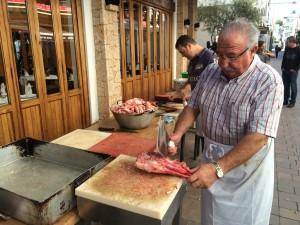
x=154, y=162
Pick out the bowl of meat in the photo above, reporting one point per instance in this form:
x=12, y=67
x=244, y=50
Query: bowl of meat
x=134, y=114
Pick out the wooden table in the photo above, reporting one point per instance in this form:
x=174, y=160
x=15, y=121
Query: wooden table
x=72, y=217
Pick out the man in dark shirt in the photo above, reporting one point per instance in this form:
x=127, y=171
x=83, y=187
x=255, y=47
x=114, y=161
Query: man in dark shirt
x=290, y=67
x=200, y=57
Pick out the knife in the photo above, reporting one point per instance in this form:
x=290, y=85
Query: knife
x=162, y=138
x=112, y=129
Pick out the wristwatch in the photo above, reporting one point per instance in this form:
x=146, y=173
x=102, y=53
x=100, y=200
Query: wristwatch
x=219, y=173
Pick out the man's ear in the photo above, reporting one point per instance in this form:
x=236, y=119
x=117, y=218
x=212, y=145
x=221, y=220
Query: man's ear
x=189, y=46
x=254, y=49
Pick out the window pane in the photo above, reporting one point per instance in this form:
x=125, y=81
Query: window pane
x=136, y=11
x=151, y=39
x=69, y=44
x=145, y=37
x=22, y=49
x=163, y=30
x=157, y=40
x=127, y=38
x=48, y=46
x=167, y=38
x=3, y=86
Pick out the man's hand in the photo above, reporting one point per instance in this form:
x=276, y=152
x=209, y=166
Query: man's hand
x=185, y=94
x=203, y=176
x=174, y=94
x=176, y=139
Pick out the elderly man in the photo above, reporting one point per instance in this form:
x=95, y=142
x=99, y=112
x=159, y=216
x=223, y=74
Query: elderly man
x=240, y=101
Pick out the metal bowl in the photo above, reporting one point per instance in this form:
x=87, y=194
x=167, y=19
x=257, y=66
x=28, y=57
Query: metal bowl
x=134, y=121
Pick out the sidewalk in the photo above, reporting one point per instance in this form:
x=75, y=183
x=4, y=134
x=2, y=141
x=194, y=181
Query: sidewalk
x=286, y=202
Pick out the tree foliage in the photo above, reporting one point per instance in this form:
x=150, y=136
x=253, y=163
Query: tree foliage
x=212, y=15
x=215, y=13
x=279, y=22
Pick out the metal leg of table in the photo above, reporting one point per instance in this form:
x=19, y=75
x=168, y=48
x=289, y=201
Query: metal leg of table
x=182, y=142
x=176, y=220
x=196, y=146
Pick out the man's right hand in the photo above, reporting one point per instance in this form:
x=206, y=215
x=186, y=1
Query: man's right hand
x=176, y=139
x=173, y=94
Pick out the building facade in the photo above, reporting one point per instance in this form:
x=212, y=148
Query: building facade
x=64, y=63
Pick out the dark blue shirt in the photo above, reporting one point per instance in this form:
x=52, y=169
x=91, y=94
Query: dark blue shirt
x=198, y=64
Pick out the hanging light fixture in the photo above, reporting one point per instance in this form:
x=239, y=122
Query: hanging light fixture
x=196, y=26
x=186, y=23
x=112, y=2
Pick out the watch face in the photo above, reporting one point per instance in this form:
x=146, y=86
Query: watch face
x=220, y=174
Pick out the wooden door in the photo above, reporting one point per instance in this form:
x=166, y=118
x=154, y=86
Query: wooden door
x=145, y=37
x=47, y=87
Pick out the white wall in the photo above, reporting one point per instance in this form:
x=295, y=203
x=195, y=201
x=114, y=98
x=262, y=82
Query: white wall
x=174, y=38
x=202, y=37
x=90, y=54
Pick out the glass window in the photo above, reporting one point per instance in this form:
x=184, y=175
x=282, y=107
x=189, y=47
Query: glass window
x=47, y=44
x=127, y=38
x=22, y=49
x=69, y=44
x=145, y=38
x=168, y=48
x=163, y=30
x=151, y=39
x=136, y=10
x=157, y=40
x=3, y=86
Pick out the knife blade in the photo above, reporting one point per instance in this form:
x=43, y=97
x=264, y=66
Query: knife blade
x=162, y=138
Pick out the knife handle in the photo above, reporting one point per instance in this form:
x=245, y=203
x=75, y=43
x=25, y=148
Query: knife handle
x=111, y=129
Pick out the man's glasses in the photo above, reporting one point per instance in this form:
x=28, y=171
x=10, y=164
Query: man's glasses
x=219, y=56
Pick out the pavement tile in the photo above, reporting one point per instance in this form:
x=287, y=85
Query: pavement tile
x=289, y=214
x=297, y=191
x=295, y=177
x=286, y=221
x=288, y=196
x=287, y=170
x=275, y=210
x=283, y=165
x=274, y=220
x=285, y=176
x=288, y=204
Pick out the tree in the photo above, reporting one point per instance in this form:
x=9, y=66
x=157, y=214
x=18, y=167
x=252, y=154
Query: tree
x=279, y=22
x=214, y=14
x=246, y=9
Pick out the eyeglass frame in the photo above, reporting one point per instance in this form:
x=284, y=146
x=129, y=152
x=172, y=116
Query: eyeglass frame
x=219, y=55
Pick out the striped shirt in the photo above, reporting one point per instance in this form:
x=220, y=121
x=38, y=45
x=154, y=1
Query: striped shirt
x=251, y=102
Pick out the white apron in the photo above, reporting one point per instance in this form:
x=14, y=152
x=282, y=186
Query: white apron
x=244, y=195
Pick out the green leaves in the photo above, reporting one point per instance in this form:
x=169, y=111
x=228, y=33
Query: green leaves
x=215, y=13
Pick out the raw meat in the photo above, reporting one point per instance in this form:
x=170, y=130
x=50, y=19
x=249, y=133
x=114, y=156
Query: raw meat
x=154, y=162
x=135, y=106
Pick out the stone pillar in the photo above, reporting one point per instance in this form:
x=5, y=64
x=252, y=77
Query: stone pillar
x=192, y=5
x=107, y=53
x=185, y=10
x=182, y=14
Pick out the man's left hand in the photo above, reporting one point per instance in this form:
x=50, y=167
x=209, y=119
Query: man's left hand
x=203, y=176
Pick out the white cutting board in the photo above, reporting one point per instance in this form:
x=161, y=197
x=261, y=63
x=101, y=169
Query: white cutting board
x=83, y=139
x=122, y=185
